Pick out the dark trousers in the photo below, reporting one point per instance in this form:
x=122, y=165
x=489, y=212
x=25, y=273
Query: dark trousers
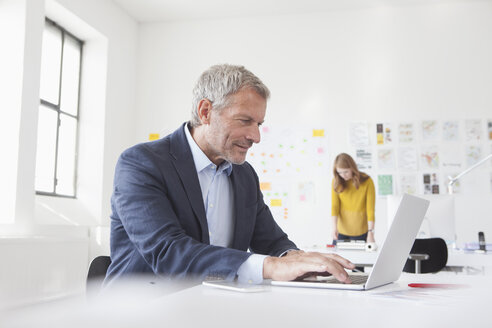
x=342, y=237
x=345, y=237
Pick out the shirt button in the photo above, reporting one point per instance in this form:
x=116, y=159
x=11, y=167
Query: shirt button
x=211, y=205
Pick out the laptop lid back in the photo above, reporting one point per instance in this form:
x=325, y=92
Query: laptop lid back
x=398, y=243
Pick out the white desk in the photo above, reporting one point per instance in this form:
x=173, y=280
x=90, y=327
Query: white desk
x=462, y=258
x=394, y=305
x=455, y=257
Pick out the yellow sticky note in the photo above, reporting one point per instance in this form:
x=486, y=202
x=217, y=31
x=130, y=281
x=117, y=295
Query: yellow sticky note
x=318, y=132
x=380, y=139
x=275, y=202
x=265, y=186
x=153, y=136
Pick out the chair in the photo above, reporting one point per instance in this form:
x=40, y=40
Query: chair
x=427, y=256
x=97, y=272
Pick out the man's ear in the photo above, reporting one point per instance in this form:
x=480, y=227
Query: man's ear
x=204, y=110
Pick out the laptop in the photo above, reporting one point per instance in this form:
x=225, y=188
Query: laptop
x=392, y=255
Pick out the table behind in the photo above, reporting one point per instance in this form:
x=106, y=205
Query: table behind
x=455, y=257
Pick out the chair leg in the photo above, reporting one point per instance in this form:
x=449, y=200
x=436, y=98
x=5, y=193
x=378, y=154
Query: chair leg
x=418, y=258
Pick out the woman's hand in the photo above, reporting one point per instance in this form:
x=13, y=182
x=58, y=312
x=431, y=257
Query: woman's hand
x=370, y=237
x=334, y=234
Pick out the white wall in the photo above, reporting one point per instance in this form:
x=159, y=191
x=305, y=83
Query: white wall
x=107, y=99
x=383, y=64
x=11, y=66
x=41, y=268
x=45, y=242
x=21, y=29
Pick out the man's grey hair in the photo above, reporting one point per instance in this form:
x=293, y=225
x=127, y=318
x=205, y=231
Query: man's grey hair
x=219, y=82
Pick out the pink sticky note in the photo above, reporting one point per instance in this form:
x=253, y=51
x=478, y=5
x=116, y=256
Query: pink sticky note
x=321, y=150
x=302, y=198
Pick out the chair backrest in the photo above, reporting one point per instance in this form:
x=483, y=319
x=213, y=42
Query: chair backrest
x=97, y=271
x=437, y=250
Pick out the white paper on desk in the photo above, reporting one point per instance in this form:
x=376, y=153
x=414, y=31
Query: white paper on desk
x=421, y=295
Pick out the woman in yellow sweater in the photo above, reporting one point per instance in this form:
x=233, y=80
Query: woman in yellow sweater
x=352, y=201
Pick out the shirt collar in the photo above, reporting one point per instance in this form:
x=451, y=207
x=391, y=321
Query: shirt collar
x=201, y=160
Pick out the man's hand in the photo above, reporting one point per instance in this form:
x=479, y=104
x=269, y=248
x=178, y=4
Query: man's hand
x=297, y=263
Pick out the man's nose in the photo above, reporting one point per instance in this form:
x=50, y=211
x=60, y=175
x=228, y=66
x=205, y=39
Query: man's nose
x=254, y=134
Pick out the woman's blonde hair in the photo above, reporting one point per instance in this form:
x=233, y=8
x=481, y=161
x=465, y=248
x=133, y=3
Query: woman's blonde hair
x=345, y=161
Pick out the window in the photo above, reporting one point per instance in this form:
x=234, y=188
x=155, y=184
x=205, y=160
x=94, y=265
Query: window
x=56, y=158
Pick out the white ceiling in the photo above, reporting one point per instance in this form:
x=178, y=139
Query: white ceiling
x=172, y=10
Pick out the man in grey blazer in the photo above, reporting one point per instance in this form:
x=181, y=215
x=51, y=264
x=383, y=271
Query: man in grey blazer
x=189, y=206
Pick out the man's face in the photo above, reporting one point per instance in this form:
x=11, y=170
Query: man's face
x=233, y=129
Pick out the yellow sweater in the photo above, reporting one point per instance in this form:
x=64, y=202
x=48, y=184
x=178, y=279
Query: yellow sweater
x=354, y=207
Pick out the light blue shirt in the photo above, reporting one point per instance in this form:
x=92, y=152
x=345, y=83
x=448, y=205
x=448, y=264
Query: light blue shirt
x=218, y=199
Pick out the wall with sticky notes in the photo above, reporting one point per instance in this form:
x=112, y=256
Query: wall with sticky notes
x=384, y=66
x=293, y=165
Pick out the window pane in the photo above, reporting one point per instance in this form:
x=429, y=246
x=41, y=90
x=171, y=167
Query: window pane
x=45, y=154
x=66, y=155
x=70, y=78
x=50, y=64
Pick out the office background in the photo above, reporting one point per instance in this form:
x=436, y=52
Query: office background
x=390, y=62
x=384, y=64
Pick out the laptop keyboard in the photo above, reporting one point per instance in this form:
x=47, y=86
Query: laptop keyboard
x=356, y=279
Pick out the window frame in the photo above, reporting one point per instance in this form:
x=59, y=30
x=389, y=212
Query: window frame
x=59, y=112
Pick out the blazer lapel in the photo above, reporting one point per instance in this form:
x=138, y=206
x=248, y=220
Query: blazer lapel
x=185, y=166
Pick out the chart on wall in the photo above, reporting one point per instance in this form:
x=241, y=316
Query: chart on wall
x=421, y=156
x=288, y=161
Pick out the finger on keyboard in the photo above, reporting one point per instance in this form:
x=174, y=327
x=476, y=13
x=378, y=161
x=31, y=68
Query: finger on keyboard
x=312, y=274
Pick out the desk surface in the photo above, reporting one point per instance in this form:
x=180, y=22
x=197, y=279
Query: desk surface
x=394, y=305
x=455, y=257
